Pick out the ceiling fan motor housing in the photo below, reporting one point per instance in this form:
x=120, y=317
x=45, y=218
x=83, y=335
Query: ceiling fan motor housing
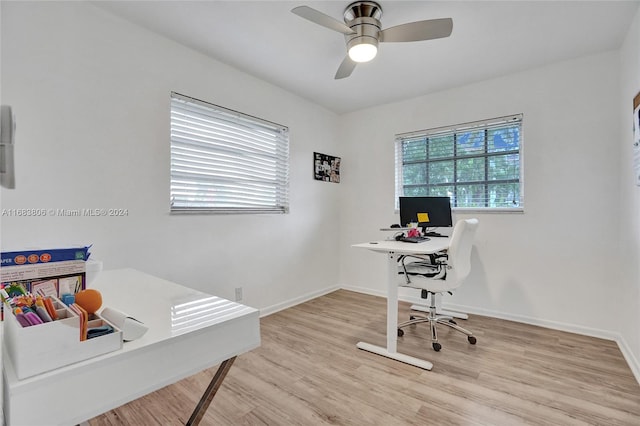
x=363, y=17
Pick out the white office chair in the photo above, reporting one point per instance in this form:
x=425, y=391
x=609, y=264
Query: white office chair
x=440, y=275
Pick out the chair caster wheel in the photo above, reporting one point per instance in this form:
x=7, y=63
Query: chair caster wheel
x=437, y=346
x=471, y=340
x=453, y=322
x=400, y=332
x=411, y=318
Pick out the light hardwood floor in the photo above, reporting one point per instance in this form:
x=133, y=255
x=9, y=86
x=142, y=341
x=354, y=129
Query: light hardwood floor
x=308, y=371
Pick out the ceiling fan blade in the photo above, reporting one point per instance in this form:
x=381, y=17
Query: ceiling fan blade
x=321, y=19
x=346, y=68
x=418, y=31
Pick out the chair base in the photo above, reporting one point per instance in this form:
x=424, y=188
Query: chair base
x=434, y=319
x=440, y=311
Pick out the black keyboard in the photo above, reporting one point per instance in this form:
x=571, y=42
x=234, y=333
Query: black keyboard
x=414, y=239
x=434, y=234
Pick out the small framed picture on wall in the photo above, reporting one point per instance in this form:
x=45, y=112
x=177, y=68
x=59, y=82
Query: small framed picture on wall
x=326, y=167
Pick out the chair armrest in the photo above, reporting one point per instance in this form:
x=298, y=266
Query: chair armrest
x=421, y=266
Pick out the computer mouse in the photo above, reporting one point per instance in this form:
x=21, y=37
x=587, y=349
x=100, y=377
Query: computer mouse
x=395, y=225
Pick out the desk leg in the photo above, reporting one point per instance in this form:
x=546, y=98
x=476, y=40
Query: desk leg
x=208, y=395
x=392, y=322
x=392, y=303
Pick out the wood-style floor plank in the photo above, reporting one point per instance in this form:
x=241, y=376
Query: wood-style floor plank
x=308, y=371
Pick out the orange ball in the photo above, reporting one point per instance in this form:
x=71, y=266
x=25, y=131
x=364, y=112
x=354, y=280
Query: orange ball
x=90, y=300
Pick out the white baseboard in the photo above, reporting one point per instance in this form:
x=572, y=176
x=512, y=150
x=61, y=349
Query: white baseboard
x=631, y=359
x=365, y=290
x=555, y=325
x=296, y=301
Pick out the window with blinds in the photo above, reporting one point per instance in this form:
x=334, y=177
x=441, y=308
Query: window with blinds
x=223, y=161
x=478, y=165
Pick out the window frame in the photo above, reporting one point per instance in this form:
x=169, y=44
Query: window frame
x=485, y=125
x=226, y=162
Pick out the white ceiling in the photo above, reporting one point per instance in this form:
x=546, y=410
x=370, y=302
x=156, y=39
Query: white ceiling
x=489, y=39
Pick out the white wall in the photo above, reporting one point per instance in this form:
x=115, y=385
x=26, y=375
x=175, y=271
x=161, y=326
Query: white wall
x=555, y=264
x=629, y=306
x=91, y=97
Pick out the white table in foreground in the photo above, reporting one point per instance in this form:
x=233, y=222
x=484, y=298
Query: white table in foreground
x=394, y=249
x=189, y=331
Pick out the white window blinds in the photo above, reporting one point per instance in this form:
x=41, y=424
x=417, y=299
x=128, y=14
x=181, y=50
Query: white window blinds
x=477, y=165
x=223, y=161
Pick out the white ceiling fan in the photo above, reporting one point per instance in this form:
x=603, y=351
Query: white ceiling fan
x=362, y=31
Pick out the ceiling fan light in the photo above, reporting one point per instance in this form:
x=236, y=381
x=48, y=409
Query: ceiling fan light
x=363, y=52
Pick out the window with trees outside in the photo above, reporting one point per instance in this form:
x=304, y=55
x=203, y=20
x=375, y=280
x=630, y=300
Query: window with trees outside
x=478, y=165
x=223, y=161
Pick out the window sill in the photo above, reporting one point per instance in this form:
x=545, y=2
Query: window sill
x=487, y=210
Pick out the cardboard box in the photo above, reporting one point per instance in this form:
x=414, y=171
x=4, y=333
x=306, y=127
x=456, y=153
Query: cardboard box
x=30, y=257
x=44, y=347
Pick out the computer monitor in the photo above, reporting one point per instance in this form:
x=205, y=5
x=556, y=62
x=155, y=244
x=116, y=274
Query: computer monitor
x=428, y=212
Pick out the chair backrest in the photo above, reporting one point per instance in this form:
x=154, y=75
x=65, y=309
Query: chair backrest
x=460, y=251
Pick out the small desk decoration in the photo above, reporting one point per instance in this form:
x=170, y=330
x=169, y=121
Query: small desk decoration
x=326, y=167
x=636, y=138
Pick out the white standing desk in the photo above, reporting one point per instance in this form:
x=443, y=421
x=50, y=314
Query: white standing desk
x=189, y=331
x=394, y=249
